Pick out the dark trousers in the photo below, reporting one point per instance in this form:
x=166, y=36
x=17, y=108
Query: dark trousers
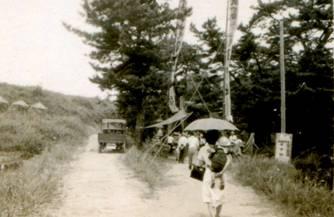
x=182, y=154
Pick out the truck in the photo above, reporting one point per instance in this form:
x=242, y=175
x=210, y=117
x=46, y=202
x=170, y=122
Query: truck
x=112, y=135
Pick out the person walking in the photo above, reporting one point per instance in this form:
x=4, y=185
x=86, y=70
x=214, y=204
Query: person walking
x=181, y=147
x=201, y=140
x=237, y=144
x=170, y=143
x=212, y=194
x=224, y=139
x=193, y=147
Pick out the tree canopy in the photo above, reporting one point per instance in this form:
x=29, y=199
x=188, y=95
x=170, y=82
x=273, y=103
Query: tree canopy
x=132, y=52
x=308, y=28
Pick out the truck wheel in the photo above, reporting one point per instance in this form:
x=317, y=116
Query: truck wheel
x=123, y=148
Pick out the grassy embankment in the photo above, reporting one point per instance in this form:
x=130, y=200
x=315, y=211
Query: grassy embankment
x=283, y=185
x=45, y=141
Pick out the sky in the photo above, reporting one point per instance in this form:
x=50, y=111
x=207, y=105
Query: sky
x=37, y=50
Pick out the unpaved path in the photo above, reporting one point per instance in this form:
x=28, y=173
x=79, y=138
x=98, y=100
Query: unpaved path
x=99, y=185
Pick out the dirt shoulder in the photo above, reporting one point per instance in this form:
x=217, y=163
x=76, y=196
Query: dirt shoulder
x=99, y=185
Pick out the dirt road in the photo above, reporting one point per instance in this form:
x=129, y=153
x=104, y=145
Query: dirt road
x=99, y=185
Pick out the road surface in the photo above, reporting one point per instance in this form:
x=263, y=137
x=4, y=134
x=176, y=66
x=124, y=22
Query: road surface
x=100, y=185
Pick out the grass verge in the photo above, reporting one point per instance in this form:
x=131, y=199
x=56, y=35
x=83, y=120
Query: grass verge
x=149, y=169
x=282, y=184
x=28, y=190
x=48, y=144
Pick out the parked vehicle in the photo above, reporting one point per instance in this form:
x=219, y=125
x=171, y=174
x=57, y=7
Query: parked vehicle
x=112, y=135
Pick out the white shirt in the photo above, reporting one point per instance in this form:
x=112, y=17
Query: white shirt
x=223, y=141
x=183, y=141
x=170, y=139
x=233, y=138
x=203, y=155
x=193, y=143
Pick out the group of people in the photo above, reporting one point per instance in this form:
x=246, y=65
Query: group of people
x=212, y=150
x=188, y=145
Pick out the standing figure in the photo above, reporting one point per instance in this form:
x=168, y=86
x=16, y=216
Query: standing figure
x=236, y=143
x=160, y=133
x=193, y=147
x=170, y=142
x=213, y=183
x=201, y=140
x=181, y=147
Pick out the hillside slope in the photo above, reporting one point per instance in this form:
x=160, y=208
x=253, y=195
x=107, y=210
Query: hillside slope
x=30, y=131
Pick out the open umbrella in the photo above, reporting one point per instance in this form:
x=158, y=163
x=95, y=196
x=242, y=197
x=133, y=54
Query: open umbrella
x=210, y=124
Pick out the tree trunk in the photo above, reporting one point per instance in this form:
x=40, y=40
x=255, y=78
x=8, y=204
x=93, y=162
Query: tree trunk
x=139, y=128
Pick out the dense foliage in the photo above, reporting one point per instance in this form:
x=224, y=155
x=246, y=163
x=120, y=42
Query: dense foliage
x=308, y=28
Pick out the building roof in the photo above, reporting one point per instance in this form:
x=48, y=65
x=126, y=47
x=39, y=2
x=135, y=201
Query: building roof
x=20, y=103
x=3, y=100
x=39, y=105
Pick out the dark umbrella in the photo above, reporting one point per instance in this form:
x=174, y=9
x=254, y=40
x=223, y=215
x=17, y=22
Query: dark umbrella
x=210, y=124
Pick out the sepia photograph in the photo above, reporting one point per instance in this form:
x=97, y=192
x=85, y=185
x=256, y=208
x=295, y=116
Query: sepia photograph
x=167, y=108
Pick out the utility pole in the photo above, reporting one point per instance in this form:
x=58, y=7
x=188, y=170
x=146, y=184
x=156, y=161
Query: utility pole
x=332, y=158
x=282, y=70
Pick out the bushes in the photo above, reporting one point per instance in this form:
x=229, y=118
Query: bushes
x=315, y=167
x=282, y=184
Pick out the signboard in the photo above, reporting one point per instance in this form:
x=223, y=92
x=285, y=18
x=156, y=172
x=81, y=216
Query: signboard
x=283, y=147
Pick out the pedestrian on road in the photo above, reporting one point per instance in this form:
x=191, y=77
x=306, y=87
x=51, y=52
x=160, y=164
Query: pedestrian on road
x=181, y=147
x=224, y=139
x=170, y=142
x=160, y=133
x=212, y=195
x=202, y=141
x=193, y=147
x=236, y=144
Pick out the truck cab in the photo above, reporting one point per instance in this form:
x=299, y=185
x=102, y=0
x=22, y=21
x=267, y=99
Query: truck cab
x=112, y=135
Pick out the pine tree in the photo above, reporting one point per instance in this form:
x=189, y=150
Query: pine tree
x=131, y=52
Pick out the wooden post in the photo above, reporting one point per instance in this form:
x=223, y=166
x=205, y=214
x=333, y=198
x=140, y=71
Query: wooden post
x=332, y=161
x=282, y=70
x=332, y=158
x=182, y=107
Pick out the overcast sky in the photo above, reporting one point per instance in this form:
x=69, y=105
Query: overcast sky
x=37, y=50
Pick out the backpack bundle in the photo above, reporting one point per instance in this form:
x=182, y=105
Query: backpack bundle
x=218, y=160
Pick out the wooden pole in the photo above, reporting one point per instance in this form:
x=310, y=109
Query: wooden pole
x=332, y=158
x=282, y=69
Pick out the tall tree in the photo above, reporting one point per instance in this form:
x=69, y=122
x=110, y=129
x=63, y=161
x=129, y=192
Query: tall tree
x=131, y=51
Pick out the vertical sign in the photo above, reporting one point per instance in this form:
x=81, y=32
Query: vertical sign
x=231, y=26
x=283, y=147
